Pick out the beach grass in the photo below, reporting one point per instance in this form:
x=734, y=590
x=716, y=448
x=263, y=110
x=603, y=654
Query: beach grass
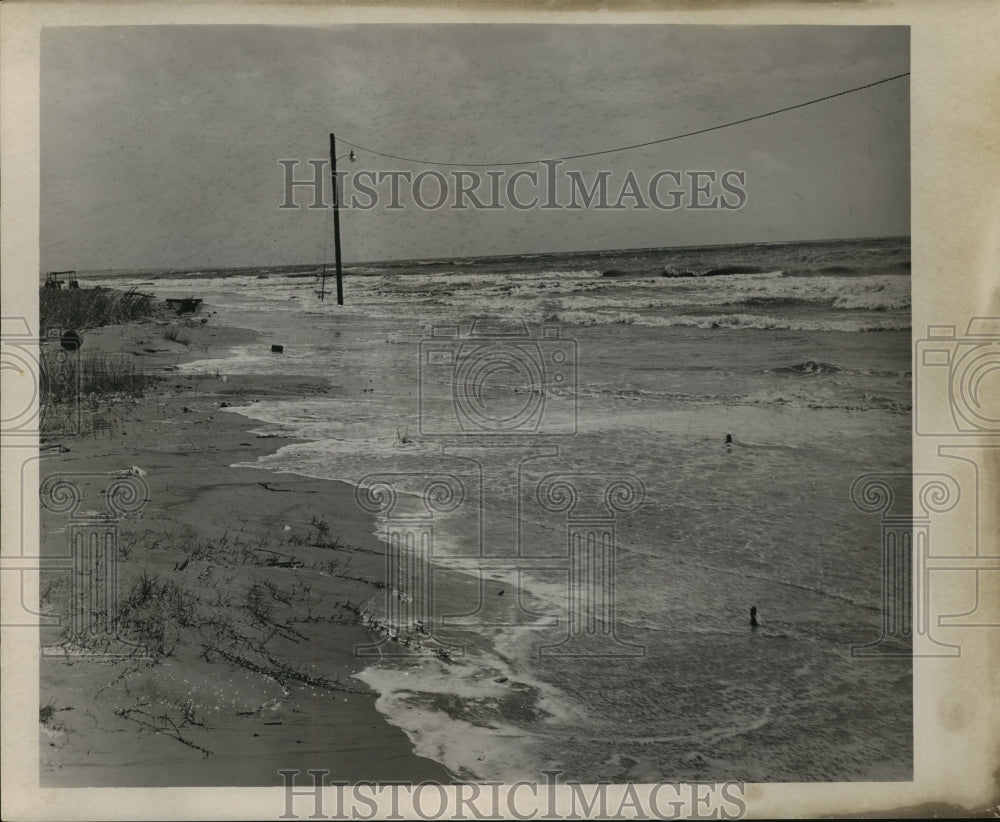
x=78, y=309
x=221, y=605
x=237, y=610
x=66, y=378
x=84, y=392
x=172, y=334
x=94, y=388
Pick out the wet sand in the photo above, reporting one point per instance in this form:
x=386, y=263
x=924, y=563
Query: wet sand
x=244, y=588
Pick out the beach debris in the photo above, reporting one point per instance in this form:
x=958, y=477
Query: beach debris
x=287, y=528
x=279, y=560
x=184, y=305
x=277, y=349
x=224, y=378
x=443, y=654
x=134, y=471
x=71, y=341
x=500, y=592
x=500, y=679
x=180, y=566
x=403, y=437
x=185, y=410
x=268, y=487
x=225, y=405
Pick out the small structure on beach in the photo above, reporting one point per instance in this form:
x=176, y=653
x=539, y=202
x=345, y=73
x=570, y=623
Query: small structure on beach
x=184, y=305
x=54, y=279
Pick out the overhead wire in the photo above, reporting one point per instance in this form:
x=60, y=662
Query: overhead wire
x=633, y=146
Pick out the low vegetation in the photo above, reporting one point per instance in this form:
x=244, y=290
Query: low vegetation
x=78, y=309
x=246, y=602
x=83, y=392
x=68, y=376
x=88, y=393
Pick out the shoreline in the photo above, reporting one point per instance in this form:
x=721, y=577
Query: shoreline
x=481, y=717
x=263, y=577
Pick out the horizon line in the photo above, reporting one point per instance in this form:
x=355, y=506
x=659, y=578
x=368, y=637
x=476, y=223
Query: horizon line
x=159, y=270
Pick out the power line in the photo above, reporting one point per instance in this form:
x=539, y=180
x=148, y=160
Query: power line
x=636, y=145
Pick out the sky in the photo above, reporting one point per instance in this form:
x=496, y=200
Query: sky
x=160, y=145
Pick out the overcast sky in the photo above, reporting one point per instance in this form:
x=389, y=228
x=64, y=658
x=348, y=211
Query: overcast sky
x=160, y=145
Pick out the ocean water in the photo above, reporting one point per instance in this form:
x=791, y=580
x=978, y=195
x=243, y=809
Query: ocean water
x=525, y=379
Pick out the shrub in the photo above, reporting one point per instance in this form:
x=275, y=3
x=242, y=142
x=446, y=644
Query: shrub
x=65, y=378
x=78, y=309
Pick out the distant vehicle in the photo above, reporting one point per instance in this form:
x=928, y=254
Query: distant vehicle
x=52, y=279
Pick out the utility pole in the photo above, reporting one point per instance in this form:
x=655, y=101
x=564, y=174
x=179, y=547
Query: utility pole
x=336, y=218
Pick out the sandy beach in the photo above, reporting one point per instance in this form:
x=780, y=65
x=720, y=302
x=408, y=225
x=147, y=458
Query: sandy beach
x=615, y=416
x=245, y=588
x=252, y=571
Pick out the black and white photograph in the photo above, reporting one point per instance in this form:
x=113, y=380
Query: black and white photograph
x=425, y=406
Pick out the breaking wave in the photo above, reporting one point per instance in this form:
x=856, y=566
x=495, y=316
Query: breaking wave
x=762, y=322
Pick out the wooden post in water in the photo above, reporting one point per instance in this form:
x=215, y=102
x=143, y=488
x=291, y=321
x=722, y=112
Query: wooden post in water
x=336, y=218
